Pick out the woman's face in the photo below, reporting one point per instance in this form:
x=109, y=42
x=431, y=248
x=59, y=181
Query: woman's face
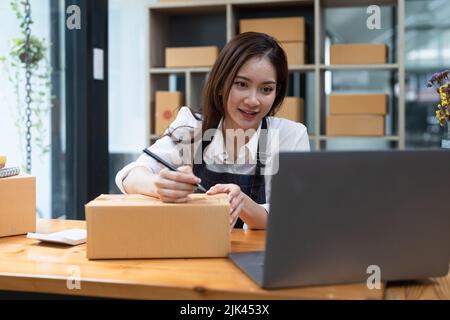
x=252, y=94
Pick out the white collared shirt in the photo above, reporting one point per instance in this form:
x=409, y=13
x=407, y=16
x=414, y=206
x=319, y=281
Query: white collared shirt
x=283, y=135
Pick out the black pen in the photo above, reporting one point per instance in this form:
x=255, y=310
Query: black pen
x=169, y=166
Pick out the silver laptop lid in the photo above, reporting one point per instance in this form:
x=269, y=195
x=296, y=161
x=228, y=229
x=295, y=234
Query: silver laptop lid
x=334, y=214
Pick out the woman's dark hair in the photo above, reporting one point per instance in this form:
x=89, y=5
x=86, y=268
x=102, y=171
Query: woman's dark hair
x=236, y=52
x=233, y=56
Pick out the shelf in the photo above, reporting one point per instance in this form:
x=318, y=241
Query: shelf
x=389, y=66
x=305, y=67
x=215, y=22
x=357, y=3
x=387, y=138
x=210, y=4
x=179, y=70
x=162, y=70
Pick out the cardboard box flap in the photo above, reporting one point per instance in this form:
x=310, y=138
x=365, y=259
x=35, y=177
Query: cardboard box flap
x=201, y=199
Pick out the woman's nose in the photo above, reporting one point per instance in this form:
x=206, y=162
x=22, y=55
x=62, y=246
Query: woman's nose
x=252, y=99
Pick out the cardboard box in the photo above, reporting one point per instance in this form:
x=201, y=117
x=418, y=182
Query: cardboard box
x=358, y=54
x=295, y=52
x=282, y=29
x=17, y=205
x=191, y=57
x=167, y=104
x=359, y=104
x=292, y=109
x=355, y=125
x=137, y=226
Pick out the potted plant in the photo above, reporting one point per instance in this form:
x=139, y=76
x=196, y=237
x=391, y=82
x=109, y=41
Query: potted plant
x=441, y=82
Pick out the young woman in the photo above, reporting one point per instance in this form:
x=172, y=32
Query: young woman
x=244, y=90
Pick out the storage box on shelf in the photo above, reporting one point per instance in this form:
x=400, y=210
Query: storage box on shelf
x=292, y=109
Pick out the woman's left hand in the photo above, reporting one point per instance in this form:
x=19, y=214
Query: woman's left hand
x=235, y=196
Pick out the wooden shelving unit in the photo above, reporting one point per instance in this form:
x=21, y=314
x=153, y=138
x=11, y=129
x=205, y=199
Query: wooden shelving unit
x=216, y=22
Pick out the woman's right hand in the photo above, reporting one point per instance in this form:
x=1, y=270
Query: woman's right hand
x=175, y=186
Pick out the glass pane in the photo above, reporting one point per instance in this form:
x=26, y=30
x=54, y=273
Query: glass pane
x=128, y=93
x=13, y=93
x=427, y=50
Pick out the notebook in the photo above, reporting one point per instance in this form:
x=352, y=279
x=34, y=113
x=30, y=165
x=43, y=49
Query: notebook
x=9, y=172
x=71, y=236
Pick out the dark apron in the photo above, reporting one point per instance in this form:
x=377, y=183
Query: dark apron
x=252, y=185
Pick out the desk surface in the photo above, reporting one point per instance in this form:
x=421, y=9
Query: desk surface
x=30, y=266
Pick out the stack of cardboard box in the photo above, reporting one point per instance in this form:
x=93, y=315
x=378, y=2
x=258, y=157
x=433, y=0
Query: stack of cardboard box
x=357, y=115
x=290, y=32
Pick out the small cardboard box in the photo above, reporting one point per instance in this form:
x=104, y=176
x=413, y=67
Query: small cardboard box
x=358, y=104
x=292, y=109
x=17, y=205
x=282, y=29
x=137, y=226
x=167, y=105
x=295, y=52
x=358, y=53
x=191, y=57
x=355, y=125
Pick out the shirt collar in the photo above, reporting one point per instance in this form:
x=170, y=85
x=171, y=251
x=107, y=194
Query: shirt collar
x=217, y=151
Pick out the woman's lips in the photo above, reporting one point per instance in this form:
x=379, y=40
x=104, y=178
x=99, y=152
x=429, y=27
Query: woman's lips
x=248, y=114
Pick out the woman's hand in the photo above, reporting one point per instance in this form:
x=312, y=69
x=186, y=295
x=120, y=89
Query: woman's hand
x=175, y=186
x=235, y=196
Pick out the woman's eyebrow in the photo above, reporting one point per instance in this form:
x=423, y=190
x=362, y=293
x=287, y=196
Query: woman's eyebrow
x=264, y=82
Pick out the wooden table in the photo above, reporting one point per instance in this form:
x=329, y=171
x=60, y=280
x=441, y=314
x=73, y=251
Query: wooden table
x=27, y=265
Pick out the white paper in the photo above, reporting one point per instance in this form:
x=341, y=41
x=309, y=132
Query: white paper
x=71, y=236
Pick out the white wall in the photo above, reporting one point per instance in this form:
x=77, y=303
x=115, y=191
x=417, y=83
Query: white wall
x=10, y=144
x=128, y=73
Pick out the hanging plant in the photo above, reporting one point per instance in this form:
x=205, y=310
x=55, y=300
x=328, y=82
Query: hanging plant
x=39, y=77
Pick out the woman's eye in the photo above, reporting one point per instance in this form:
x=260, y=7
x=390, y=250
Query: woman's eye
x=240, y=84
x=267, y=90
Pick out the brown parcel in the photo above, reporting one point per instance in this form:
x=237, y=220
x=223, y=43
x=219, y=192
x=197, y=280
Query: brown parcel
x=17, y=205
x=355, y=125
x=166, y=108
x=292, y=109
x=295, y=52
x=191, y=57
x=358, y=104
x=282, y=29
x=358, y=53
x=137, y=226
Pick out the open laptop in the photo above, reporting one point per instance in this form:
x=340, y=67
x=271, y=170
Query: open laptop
x=334, y=214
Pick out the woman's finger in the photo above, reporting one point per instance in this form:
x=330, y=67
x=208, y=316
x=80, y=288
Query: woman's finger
x=170, y=184
x=218, y=188
x=234, y=204
x=174, y=194
x=235, y=214
x=171, y=200
x=179, y=176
